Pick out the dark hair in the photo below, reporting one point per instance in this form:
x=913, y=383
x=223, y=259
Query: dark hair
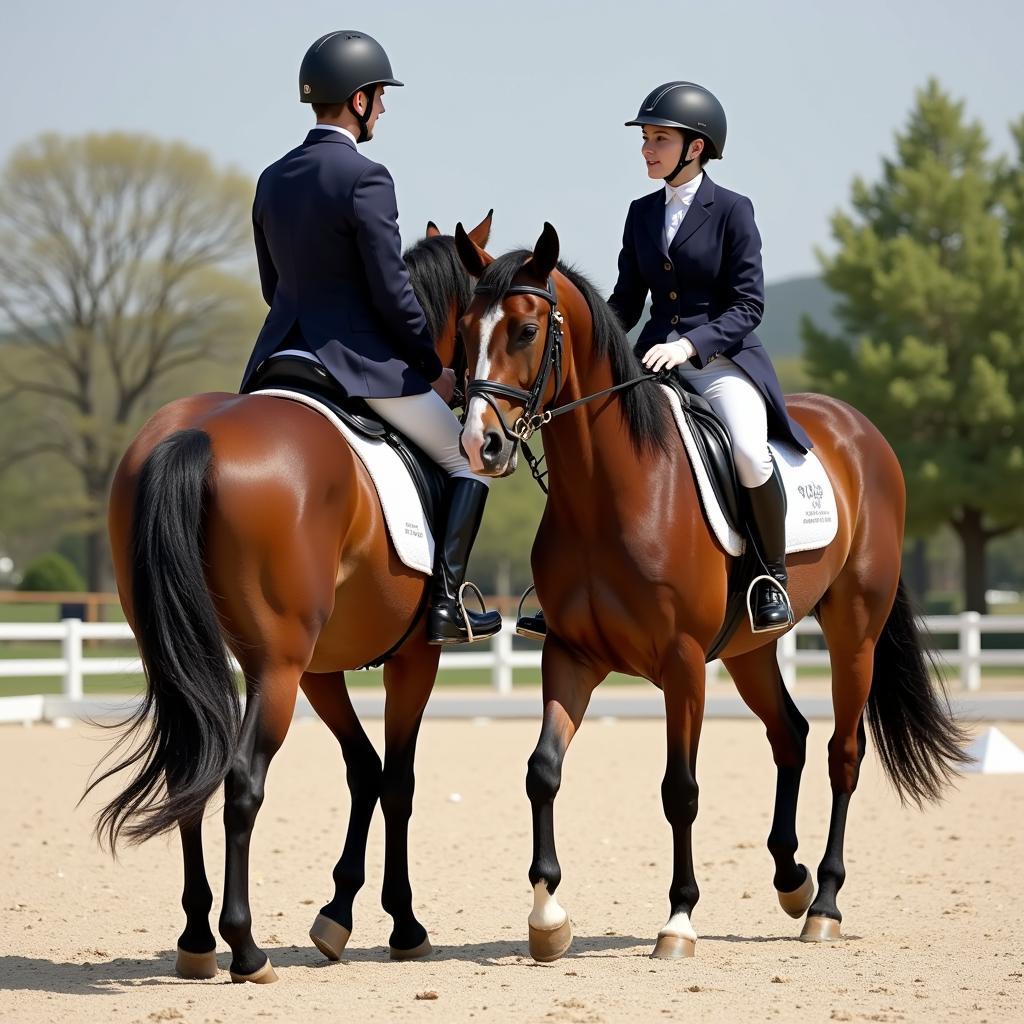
x=705, y=153
x=328, y=109
x=644, y=405
x=439, y=279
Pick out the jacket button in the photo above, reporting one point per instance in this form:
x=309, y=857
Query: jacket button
x=668, y=266
x=674, y=320
x=673, y=296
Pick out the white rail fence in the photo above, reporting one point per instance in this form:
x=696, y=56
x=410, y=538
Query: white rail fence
x=501, y=658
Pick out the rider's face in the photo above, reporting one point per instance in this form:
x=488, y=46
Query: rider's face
x=378, y=109
x=661, y=150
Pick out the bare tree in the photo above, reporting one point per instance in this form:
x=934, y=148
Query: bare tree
x=121, y=261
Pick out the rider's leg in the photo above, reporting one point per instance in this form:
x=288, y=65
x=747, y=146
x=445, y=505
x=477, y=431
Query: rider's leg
x=427, y=420
x=739, y=402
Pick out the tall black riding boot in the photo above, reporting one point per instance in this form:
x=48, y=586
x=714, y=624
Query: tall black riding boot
x=446, y=623
x=769, y=603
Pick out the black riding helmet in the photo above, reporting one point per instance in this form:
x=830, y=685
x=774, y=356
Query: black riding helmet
x=690, y=107
x=340, y=64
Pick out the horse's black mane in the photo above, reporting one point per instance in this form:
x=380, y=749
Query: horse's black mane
x=438, y=279
x=644, y=405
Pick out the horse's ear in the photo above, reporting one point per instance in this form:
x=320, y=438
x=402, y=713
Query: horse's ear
x=545, y=254
x=432, y=229
x=481, y=234
x=474, y=259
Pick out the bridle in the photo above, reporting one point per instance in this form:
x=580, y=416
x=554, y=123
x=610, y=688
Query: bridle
x=534, y=416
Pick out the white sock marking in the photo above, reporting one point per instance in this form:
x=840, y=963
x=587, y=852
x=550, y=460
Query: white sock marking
x=547, y=913
x=679, y=925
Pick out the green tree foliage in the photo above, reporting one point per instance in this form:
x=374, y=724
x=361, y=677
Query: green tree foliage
x=125, y=274
x=52, y=572
x=929, y=271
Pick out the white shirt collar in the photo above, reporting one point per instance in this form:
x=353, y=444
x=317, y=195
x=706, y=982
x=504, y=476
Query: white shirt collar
x=336, y=128
x=684, y=192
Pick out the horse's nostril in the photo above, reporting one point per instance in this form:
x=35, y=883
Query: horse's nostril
x=492, y=443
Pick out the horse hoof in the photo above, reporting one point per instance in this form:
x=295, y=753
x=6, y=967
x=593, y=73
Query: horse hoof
x=423, y=949
x=266, y=975
x=820, y=929
x=673, y=947
x=196, y=965
x=329, y=937
x=795, y=903
x=551, y=944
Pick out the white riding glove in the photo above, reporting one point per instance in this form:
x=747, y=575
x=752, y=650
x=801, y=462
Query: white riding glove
x=668, y=355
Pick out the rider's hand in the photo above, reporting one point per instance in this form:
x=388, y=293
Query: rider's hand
x=669, y=355
x=445, y=385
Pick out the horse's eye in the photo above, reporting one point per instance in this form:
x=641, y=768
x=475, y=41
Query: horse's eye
x=529, y=333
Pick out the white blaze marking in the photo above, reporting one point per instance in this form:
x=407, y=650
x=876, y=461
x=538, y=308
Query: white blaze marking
x=473, y=432
x=679, y=925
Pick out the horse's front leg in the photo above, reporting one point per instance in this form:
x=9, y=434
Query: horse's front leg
x=567, y=686
x=683, y=685
x=408, y=679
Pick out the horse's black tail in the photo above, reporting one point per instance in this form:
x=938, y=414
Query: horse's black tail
x=191, y=692
x=918, y=739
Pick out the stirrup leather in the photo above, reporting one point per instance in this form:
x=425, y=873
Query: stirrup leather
x=785, y=598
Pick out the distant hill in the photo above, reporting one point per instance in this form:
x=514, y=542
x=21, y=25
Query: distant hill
x=784, y=304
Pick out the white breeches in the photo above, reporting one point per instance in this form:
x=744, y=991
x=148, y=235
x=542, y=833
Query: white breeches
x=429, y=423
x=739, y=402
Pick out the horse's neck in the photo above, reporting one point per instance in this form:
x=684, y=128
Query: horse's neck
x=589, y=450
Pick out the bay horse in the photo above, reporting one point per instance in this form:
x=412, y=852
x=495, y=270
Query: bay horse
x=631, y=580
x=248, y=520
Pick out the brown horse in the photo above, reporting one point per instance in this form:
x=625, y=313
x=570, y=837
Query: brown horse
x=631, y=580
x=249, y=520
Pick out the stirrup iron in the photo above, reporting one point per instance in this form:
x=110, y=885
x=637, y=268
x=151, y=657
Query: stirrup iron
x=520, y=631
x=785, y=597
x=471, y=637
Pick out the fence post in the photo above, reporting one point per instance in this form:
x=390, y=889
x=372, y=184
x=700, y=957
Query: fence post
x=72, y=644
x=501, y=670
x=787, y=649
x=970, y=651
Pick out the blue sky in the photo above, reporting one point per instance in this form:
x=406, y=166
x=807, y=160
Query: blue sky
x=520, y=106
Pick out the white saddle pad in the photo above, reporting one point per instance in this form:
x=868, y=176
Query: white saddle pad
x=812, y=518
x=403, y=511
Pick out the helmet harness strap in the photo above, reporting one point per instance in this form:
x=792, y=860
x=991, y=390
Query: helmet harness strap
x=363, y=119
x=688, y=138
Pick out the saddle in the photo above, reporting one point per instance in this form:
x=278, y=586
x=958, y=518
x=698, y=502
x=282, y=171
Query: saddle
x=305, y=377
x=714, y=446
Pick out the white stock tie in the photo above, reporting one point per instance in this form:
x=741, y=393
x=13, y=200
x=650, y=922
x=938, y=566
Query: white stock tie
x=674, y=213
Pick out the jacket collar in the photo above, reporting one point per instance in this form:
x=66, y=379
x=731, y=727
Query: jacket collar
x=326, y=135
x=695, y=216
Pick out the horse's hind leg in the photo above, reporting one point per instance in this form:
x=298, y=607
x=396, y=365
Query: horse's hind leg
x=760, y=684
x=269, y=705
x=197, y=947
x=330, y=699
x=853, y=613
x=408, y=679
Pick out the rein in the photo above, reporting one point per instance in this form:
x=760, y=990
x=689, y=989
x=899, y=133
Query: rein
x=534, y=416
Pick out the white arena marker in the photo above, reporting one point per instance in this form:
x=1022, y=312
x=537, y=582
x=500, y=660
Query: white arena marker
x=455, y=798
x=993, y=753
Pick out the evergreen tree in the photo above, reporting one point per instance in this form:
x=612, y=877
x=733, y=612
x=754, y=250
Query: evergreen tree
x=929, y=273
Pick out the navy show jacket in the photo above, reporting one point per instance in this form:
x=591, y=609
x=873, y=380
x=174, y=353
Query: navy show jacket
x=325, y=220
x=708, y=287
